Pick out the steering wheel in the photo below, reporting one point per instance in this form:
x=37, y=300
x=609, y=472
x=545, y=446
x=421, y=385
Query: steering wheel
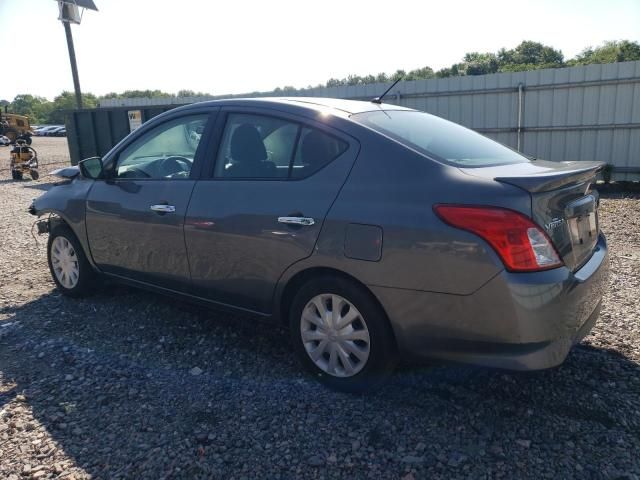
x=173, y=165
x=133, y=173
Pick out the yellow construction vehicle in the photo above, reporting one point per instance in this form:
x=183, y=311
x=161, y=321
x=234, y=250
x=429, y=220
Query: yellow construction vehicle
x=24, y=159
x=15, y=127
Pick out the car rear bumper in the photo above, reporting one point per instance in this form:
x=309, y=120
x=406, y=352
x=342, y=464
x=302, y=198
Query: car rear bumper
x=516, y=321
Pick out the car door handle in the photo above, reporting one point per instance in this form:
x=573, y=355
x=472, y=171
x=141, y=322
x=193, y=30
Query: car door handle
x=163, y=208
x=304, y=221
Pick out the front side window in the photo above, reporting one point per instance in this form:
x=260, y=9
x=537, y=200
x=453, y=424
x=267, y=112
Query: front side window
x=258, y=146
x=439, y=138
x=166, y=152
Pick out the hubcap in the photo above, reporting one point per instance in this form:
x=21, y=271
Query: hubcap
x=335, y=335
x=64, y=262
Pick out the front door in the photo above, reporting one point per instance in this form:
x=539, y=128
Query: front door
x=135, y=217
x=273, y=183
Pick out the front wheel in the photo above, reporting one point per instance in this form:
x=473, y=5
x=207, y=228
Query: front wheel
x=341, y=335
x=70, y=269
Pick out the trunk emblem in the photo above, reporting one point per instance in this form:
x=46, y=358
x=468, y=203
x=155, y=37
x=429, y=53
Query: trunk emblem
x=553, y=224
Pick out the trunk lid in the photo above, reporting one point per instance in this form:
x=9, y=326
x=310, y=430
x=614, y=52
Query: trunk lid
x=562, y=202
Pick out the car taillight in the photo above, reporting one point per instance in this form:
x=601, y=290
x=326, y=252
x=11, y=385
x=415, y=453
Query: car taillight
x=520, y=243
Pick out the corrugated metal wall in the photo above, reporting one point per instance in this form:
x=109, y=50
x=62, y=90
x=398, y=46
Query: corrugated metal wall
x=590, y=112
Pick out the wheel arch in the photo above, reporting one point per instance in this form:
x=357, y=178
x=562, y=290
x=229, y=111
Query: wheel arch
x=293, y=284
x=58, y=219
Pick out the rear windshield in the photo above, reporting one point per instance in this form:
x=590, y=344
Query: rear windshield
x=439, y=138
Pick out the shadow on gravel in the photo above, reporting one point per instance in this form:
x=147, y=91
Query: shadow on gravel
x=37, y=185
x=135, y=385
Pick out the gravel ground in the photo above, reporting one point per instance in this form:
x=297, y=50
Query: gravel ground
x=129, y=384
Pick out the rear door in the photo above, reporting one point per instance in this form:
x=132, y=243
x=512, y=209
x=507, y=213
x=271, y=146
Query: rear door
x=270, y=187
x=135, y=217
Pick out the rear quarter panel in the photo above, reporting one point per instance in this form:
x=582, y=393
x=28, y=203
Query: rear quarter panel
x=395, y=188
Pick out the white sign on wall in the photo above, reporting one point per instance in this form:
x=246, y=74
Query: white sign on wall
x=135, y=119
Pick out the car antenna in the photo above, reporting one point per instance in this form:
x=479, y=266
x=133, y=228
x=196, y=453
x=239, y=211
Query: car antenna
x=379, y=99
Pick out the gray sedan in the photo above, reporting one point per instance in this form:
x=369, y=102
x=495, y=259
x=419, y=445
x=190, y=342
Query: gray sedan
x=374, y=231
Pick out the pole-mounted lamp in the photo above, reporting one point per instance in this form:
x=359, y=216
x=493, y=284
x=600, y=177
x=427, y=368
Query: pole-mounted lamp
x=71, y=11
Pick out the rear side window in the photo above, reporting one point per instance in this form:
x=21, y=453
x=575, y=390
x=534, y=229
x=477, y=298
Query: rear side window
x=439, y=138
x=315, y=150
x=260, y=146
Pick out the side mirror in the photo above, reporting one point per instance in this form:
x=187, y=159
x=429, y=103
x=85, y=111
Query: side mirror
x=91, y=168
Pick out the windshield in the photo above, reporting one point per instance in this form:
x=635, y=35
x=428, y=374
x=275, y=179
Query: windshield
x=439, y=138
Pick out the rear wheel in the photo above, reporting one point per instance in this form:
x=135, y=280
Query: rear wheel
x=70, y=269
x=16, y=174
x=341, y=335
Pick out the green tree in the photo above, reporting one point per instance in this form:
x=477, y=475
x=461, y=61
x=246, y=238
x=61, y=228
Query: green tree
x=144, y=94
x=67, y=101
x=191, y=93
x=34, y=107
x=420, y=74
x=382, y=77
x=452, y=71
x=529, y=56
x=353, y=80
x=397, y=75
x=110, y=95
x=609, y=52
x=476, y=63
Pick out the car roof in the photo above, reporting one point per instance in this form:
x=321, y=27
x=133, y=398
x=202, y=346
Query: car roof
x=336, y=106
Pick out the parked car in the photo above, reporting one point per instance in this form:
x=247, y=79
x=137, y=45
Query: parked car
x=55, y=131
x=375, y=232
x=46, y=130
x=37, y=130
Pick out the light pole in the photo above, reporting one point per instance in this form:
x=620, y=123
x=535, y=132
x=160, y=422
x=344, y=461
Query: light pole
x=71, y=11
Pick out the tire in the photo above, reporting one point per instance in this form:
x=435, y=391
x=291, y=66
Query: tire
x=16, y=174
x=375, y=344
x=61, y=259
x=34, y=174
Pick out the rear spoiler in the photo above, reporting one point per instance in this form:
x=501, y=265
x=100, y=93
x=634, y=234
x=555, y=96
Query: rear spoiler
x=569, y=173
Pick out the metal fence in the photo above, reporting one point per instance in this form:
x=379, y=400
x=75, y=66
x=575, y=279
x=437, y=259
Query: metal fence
x=589, y=112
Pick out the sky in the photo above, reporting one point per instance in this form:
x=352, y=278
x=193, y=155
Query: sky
x=241, y=46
